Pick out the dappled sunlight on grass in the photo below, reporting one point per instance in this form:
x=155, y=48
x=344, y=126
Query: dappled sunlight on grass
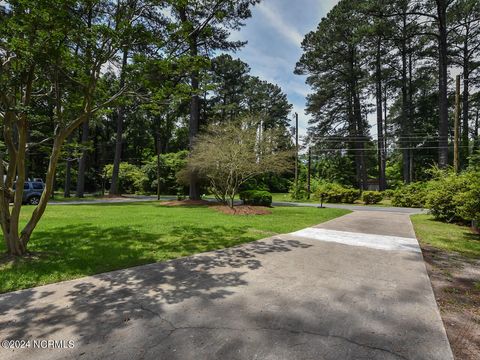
x=74, y=241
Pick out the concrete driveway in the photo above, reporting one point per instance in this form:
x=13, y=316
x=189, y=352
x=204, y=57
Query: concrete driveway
x=352, y=288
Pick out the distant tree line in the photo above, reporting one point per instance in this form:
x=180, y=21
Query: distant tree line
x=393, y=61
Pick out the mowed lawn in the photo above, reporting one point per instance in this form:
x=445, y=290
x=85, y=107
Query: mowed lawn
x=449, y=237
x=72, y=241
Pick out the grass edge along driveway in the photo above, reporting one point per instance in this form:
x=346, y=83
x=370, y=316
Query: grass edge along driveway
x=73, y=241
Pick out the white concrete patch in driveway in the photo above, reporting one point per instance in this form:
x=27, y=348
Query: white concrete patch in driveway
x=373, y=241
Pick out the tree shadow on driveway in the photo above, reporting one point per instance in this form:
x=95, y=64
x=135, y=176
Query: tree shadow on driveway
x=93, y=307
x=70, y=252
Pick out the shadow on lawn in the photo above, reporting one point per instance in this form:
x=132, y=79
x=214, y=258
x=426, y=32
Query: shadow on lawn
x=91, y=309
x=73, y=251
x=185, y=308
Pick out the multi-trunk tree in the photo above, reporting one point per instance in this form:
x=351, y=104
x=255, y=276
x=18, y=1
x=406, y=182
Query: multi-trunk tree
x=56, y=51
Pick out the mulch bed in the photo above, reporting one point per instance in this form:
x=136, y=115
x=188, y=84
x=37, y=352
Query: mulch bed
x=242, y=210
x=456, y=283
x=237, y=210
x=185, y=203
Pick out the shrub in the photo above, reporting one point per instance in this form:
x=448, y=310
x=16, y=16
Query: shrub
x=336, y=193
x=372, y=197
x=256, y=198
x=350, y=195
x=388, y=194
x=170, y=165
x=441, y=196
x=412, y=195
x=468, y=201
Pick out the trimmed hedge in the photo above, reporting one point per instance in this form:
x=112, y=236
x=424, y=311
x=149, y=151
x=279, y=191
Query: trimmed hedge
x=372, y=197
x=256, y=198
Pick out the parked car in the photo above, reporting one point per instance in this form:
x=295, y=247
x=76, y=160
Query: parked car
x=32, y=191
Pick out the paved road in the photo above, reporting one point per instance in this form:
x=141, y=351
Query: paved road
x=352, y=288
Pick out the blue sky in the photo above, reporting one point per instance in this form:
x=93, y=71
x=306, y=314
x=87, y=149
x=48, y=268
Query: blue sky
x=274, y=35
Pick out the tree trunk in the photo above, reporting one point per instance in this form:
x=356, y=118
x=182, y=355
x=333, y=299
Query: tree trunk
x=379, y=102
x=405, y=120
x=442, y=83
x=361, y=141
x=476, y=134
x=158, y=145
x=68, y=179
x=115, y=188
x=465, y=109
x=194, y=193
x=83, y=161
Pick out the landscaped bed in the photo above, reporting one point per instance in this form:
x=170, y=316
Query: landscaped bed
x=452, y=256
x=78, y=240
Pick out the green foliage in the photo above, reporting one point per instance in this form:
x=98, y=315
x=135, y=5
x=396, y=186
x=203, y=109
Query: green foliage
x=468, y=201
x=256, y=198
x=298, y=192
x=274, y=183
x=131, y=178
x=412, y=195
x=441, y=196
x=170, y=165
x=336, y=193
x=372, y=197
x=453, y=197
x=450, y=197
x=388, y=194
x=230, y=154
x=106, y=237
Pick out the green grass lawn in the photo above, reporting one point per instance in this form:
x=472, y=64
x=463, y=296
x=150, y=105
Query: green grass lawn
x=450, y=237
x=77, y=240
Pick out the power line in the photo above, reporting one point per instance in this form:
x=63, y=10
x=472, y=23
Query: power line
x=388, y=149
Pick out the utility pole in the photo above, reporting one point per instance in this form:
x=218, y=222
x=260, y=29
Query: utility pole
x=296, y=151
x=457, y=123
x=309, y=172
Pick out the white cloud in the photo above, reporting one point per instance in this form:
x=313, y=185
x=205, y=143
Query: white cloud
x=275, y=20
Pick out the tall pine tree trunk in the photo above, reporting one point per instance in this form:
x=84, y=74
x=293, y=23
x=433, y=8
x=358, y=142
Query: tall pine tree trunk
x=442, y=83
x=115, y=188
x=194, y=193
x=379, y=102
x=465, y=105
x=362, y=166
x=405, y=120
x=476, y=134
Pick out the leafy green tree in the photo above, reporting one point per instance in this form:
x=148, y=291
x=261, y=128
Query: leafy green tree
x=201, y=27
x=49, y=45
x=230, y=154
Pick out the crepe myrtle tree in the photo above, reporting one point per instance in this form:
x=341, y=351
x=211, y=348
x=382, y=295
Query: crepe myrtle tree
x=229, y=154
x=51, y=54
